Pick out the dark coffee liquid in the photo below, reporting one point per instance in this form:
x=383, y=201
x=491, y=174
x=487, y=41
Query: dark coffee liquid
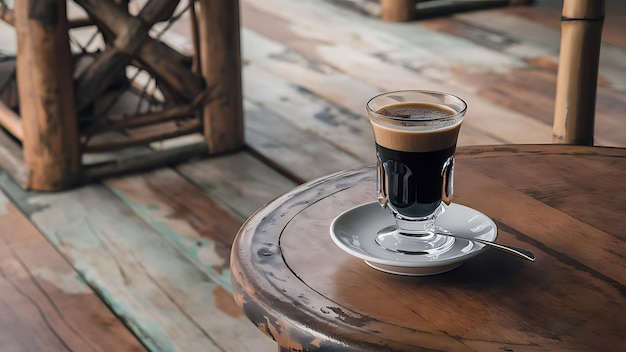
x=414, y=180
x=415, y=166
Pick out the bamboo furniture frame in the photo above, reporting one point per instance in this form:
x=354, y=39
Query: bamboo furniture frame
x=408, y=10
x=42, y=145
x=581, y=35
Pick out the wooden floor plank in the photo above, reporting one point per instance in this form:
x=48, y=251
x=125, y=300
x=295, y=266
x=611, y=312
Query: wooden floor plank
x=420, y=47
x=496, y=53
x=300, y=154
x=612, y=58
x=314, y=78
x=612, y=32
x=169, y=303
x=531, y=90
x=8, y=40
x=305, y=109
x=185, y=213
x=201, y=229
x=44, y=304
x=240, y=181
x=332, y=80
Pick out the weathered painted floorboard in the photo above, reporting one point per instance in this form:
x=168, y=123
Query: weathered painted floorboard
x=612, y=58
x=531, y=89
x=168, y=302
x=188, y=217
x=424, y=50
x=315, y=85
x=550, y=16
x=344, y=68
x=239, y=181
x=495, y=52
x=348, y=131
x=296, y=151
x=44, y=304
x=192, y=222
x=179, y=204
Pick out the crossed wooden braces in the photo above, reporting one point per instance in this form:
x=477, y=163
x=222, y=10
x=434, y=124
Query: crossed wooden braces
x=45, y=147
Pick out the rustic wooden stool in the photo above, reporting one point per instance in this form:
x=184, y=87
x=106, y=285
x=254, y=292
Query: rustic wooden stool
x=45, y=145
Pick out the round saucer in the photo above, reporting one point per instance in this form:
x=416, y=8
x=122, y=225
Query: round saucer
x=354, y=231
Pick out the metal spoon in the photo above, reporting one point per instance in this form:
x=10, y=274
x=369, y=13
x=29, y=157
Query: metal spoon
x=520, y=252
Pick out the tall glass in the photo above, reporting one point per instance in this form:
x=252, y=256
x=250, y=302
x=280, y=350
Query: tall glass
x=416, y=134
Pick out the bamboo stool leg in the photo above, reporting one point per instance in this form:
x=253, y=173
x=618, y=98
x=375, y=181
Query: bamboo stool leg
x=220, y=62
x=581, y=34
x=44, y=75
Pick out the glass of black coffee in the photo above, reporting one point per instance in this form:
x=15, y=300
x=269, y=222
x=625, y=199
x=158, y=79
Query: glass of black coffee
x=416, y=134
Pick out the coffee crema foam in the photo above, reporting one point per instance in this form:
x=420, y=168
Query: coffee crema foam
x=398, y=138
x=416, y=111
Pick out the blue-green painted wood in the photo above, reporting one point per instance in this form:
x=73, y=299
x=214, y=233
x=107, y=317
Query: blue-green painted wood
x=168, y=302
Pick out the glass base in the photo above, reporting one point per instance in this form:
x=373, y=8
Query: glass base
x=424, y=243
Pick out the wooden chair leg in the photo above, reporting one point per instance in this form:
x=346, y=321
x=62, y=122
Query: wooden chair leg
x=398, y=10
x=220, y=62
x=581, y=34
x=44, y=76
x=407, y=10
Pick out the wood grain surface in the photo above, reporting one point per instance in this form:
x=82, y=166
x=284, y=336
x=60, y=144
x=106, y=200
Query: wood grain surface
x=564, y=203
x=328, y=61
x=166, y=299
x=157, y=243
x=44, y=304
x=46, y=95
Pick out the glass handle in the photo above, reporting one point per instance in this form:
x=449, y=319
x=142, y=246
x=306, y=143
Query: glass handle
x=381, y=185
x=447, y=186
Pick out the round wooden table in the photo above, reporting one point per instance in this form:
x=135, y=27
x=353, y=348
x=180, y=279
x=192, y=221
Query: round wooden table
x=565, y=203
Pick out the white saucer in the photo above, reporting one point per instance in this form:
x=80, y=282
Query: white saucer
x=354, y=231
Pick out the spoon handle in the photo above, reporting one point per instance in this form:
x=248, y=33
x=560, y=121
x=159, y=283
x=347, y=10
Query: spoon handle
x=520, y=252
